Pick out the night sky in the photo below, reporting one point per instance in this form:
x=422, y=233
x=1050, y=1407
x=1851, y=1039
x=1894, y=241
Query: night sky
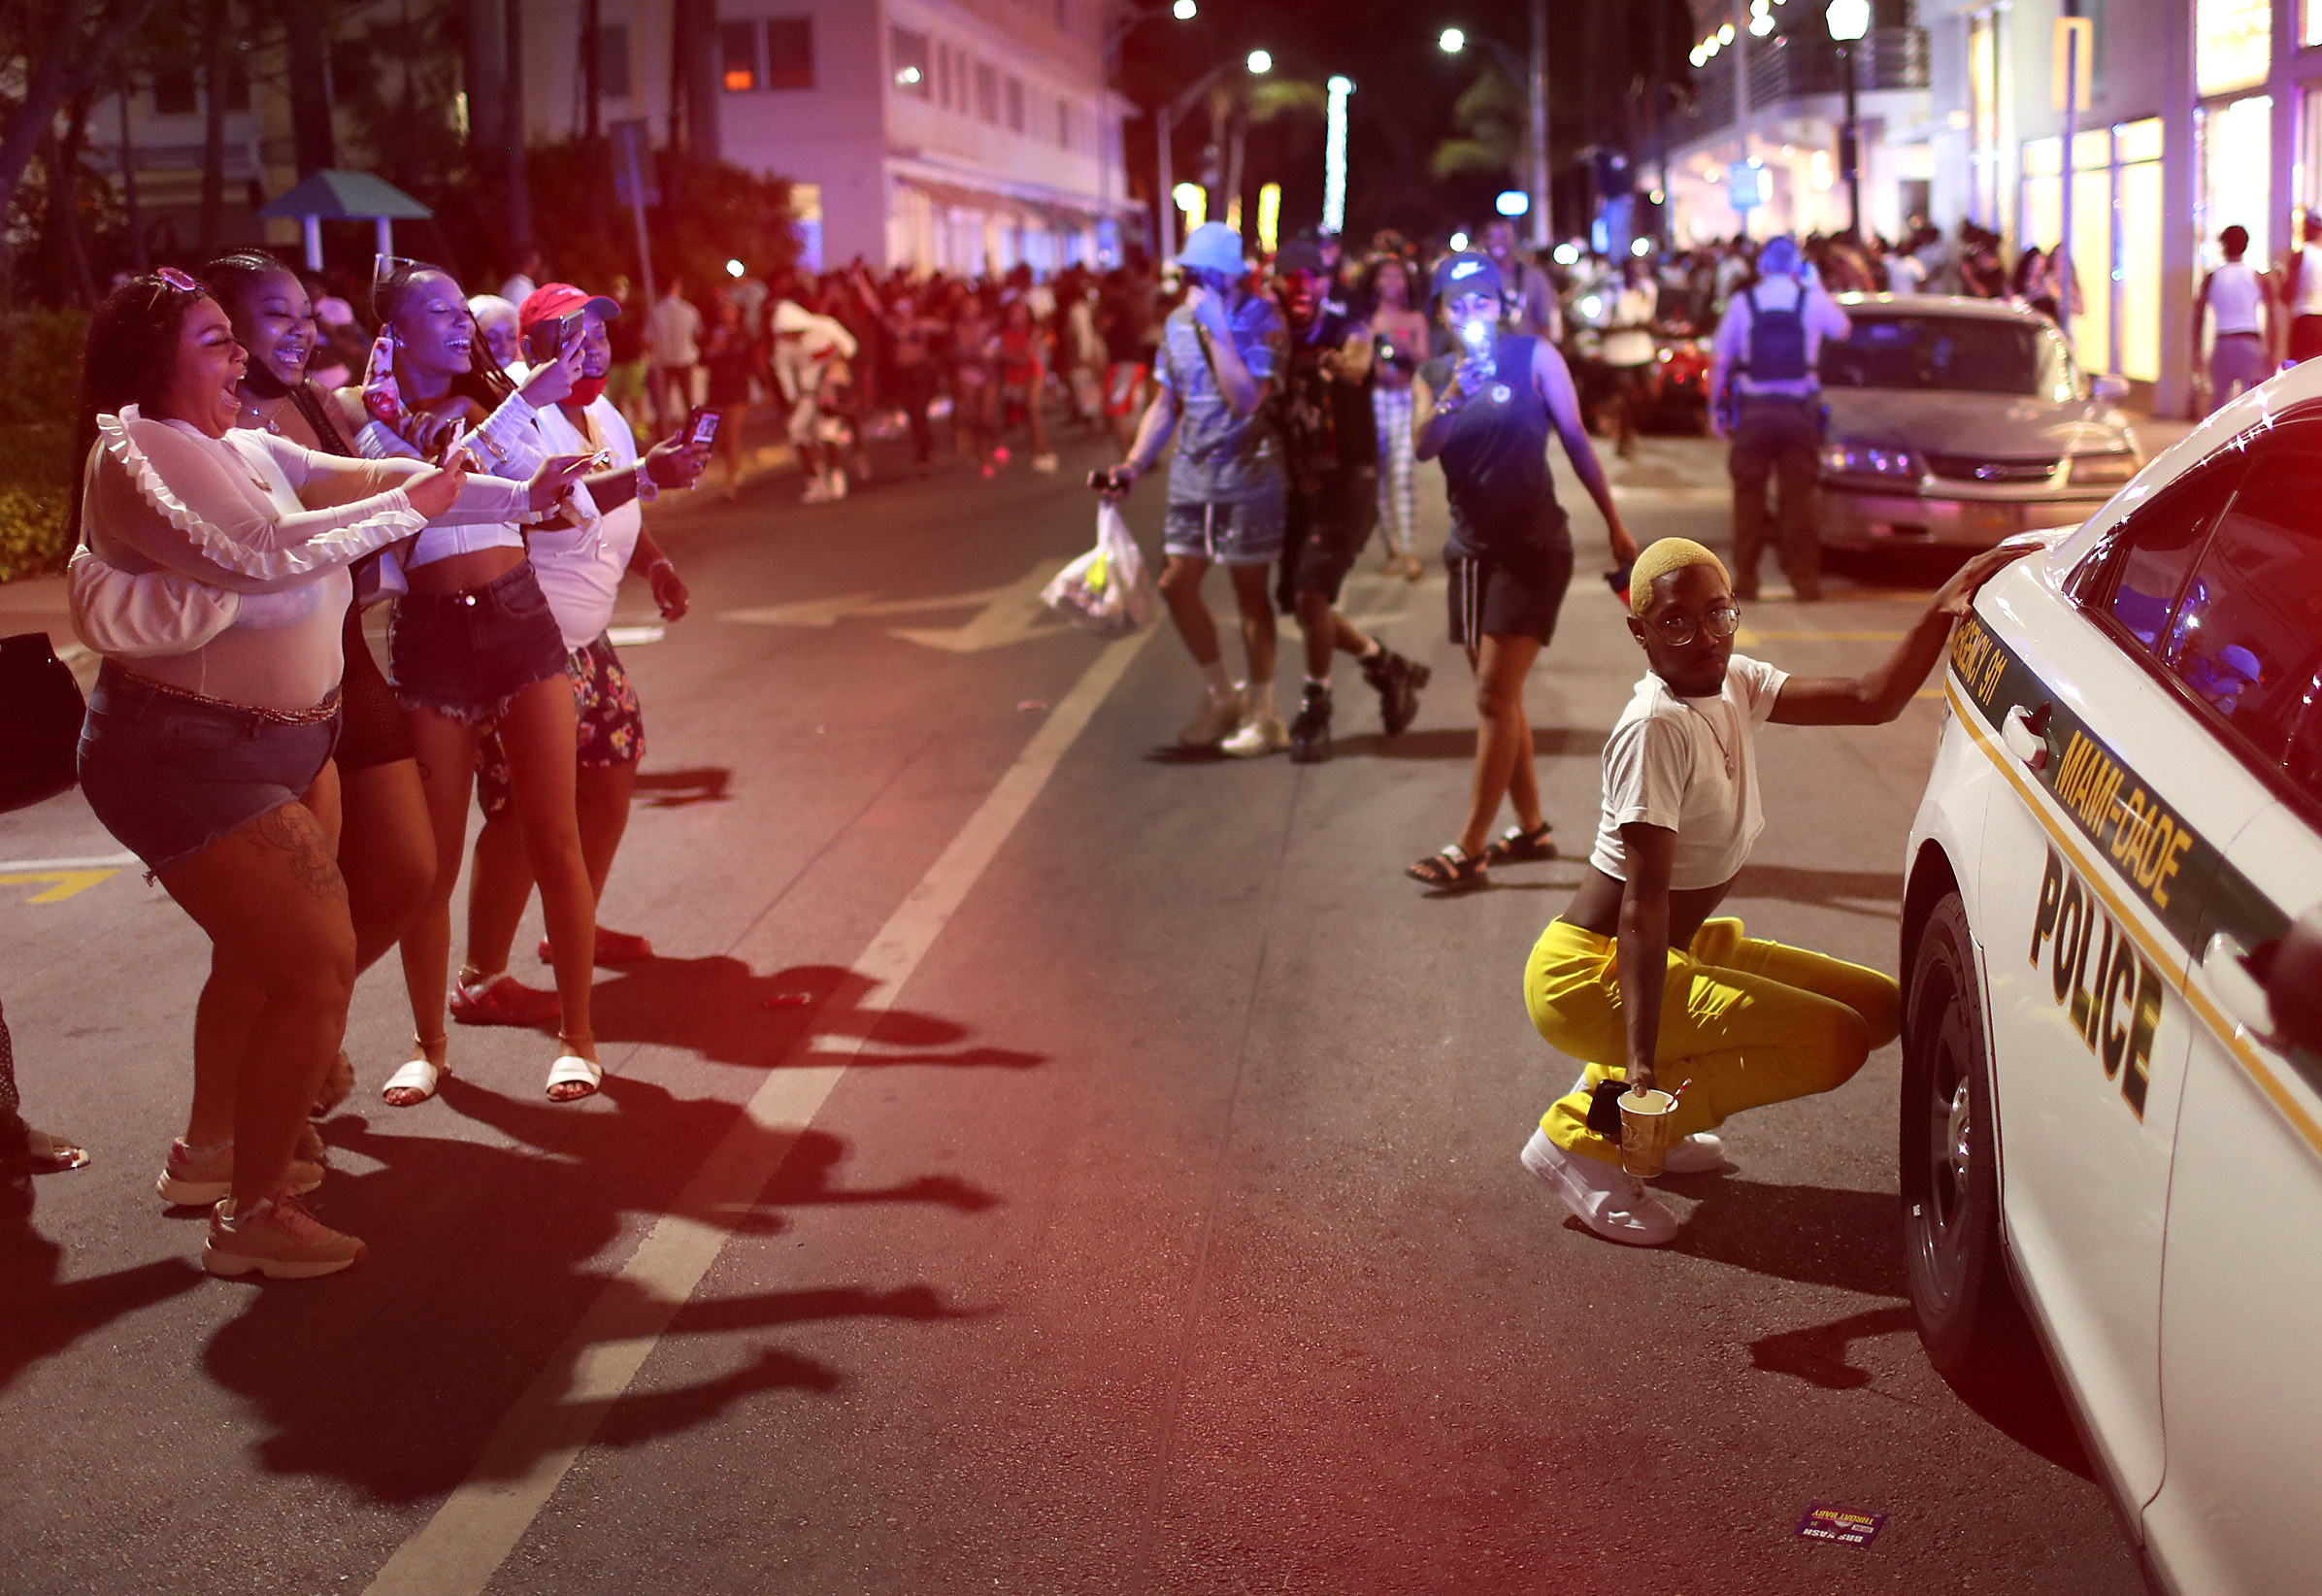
x=1406, y=91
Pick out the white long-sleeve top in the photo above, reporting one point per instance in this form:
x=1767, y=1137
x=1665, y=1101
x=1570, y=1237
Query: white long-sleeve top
x=509, y=443
x=258, y=516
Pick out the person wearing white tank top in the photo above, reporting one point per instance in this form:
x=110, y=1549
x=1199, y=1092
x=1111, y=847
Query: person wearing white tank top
x=2302, y=292
x=2235, y=298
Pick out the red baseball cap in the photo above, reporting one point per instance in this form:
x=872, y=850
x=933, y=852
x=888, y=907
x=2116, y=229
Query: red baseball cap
x=557, y=299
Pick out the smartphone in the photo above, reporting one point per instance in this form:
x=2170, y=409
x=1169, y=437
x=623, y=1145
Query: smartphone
x=701, y=427
x=549, y=339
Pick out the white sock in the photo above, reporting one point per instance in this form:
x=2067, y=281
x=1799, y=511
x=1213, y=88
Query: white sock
x=1321, y=682
x=1261, y=697
x=1219, y=678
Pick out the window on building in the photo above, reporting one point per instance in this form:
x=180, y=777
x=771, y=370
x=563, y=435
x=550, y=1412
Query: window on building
x=942, y=76
x=613, y=59
x=789, y=52
x=1064, y=123
x=1983, y=119
x=1015, y=105
x=175, y=93
x=913, y=70
x=987, y=92
x=738, y=56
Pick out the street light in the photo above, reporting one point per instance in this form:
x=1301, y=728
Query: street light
x=1164, y=129
x=1848, y=20
x=1116, y=30
x=1184, y=11
x=1261, y=62
x=1533, y=72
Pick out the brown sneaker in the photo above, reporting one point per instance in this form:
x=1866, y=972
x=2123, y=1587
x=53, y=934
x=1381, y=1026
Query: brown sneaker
x=196, y=1176
x=279, y=1239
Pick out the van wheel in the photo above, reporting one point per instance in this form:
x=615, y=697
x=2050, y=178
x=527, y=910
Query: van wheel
x=1968, y=1316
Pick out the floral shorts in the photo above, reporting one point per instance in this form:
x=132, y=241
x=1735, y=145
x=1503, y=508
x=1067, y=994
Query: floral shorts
x=612, y=731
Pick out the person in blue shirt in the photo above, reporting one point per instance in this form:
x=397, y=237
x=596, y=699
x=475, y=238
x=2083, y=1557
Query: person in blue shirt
x=1218, y=355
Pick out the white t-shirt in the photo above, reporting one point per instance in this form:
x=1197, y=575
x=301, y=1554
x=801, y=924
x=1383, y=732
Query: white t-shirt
x=579, y=567
x=1633, y=309
x=1666, y=765
x=1904, y=273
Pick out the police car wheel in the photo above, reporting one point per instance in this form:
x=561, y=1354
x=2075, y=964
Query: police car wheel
x=1968, y=1316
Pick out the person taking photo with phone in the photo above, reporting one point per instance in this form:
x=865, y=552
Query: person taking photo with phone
x=1487, y=415
x=1218, y=355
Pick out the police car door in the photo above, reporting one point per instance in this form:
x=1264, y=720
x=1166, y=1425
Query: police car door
x=2241, y=1292
x=2093, y=869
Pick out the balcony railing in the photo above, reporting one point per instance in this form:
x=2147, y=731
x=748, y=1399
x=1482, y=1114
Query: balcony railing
x=1799, y=66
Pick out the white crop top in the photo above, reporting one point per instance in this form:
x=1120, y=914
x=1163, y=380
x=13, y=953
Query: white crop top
x=580, y=568
x=509, y=444
x=258, y=516
x=1689, y=765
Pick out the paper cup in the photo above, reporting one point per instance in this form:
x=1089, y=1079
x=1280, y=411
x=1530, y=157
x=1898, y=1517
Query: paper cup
x=1647, y=1124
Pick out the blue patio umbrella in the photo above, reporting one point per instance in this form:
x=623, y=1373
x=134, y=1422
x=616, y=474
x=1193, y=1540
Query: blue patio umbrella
x=357, y=196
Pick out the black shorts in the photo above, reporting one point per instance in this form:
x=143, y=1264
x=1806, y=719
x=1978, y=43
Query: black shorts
x=1323, y=533
x=1515, y=594
x=375, y=730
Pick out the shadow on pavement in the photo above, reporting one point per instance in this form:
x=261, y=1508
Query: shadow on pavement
x=678, y=789
x=46, y=1314
x=1817, y=1353
x=1850, y=891
x=1459, y=743
x=485, y=1256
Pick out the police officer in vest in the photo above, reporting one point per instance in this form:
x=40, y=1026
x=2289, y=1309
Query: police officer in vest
x=1763, y=395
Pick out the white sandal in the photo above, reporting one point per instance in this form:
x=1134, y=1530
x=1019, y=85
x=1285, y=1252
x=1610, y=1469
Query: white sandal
x=418, y=1076
x=572, y=1069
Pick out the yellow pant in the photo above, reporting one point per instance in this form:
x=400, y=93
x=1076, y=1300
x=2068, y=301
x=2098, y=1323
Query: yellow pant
x=1749, y=1022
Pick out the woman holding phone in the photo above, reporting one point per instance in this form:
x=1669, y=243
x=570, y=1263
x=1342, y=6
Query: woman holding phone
x=474, y=643
x=1487, y=413
x=580, y=569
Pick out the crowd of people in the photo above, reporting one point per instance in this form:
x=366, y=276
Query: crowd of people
x=263, y=461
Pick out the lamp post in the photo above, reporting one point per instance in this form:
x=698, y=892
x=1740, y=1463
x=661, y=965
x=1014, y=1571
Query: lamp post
x=1532, y=73
x=1334, y=159
x=1848, y=20
x=1116, y=29
x=1165, y=125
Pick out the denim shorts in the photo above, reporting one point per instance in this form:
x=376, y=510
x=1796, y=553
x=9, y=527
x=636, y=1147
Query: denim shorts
x=466, y=655
x=1225, y=534
x=168, y=776
x=609, y=731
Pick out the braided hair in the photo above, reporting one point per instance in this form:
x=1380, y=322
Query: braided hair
x=234, y=279
x=485, y=381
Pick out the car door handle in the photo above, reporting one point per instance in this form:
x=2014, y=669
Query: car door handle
x=2025, y=732
x=2225, y=965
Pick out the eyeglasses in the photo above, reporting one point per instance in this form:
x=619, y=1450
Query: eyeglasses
x=1679, y=630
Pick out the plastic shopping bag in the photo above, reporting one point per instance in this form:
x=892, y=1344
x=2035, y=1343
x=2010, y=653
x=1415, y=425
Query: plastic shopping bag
x=1107, y=590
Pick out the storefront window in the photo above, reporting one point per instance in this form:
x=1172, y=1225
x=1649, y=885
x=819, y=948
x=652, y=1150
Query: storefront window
x=1983, y=119
x=2116, y=238
x=2236, y=166
x=2233, y=44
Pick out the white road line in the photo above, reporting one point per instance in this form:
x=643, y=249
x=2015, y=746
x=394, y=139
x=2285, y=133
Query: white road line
x=542, y=1436
x=95, y=861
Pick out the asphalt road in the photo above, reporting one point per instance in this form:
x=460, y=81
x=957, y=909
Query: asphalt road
x=1037, y=1161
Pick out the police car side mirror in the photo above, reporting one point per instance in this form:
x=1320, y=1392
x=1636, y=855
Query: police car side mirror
x=2273, y=990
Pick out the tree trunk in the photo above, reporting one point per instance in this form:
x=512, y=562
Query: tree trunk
x=592, y=64
x=69, y=62
x=64, y=219
x=484, y=39
x=519, y=190
x=312, y=141
x=128, y=149
x=217, y=54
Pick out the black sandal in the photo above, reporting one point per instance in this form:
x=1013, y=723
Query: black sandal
x=1452, y=868
x=1517, y=846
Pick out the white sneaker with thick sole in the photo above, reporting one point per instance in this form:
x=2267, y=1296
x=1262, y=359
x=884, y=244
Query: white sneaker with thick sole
x=1216, y=721
x=1260, y=733
x=1609, y=1202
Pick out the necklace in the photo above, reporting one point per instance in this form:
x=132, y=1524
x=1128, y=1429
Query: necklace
x=1720, y=738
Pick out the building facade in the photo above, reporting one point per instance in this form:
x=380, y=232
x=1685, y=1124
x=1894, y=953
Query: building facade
x=961, y=135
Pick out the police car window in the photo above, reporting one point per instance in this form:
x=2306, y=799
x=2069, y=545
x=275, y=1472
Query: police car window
x=2151, y=551
x=2247, y=630
x=1954, y=353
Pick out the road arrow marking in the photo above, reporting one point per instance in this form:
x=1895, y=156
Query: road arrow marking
x=1014, y=615
x=829, y=612
x=65, y=883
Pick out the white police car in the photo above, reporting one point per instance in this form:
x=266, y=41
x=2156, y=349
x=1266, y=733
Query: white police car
x=2113, y=964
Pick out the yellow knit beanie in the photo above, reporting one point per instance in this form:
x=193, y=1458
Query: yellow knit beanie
x=1658, y=560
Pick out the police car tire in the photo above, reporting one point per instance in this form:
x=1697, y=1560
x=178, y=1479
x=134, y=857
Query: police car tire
x=1965, y=1309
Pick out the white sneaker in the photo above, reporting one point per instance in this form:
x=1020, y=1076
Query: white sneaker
x=1045, y=464
x=838, y=484
x=1700, y=1153
x=1260, y=733
x=1603, y=1197
x=817, y=491
x=1218, y=719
